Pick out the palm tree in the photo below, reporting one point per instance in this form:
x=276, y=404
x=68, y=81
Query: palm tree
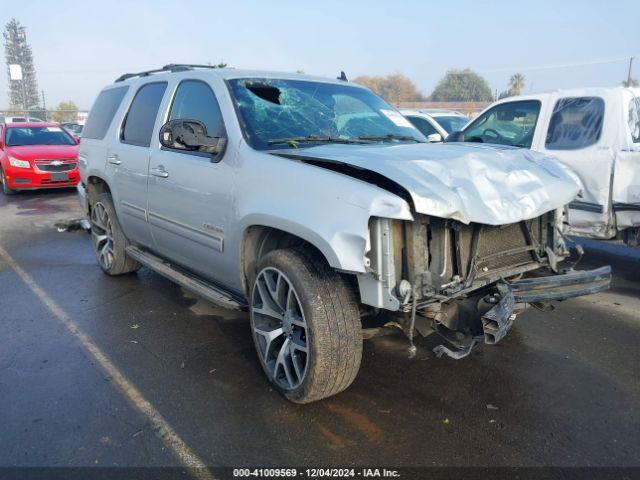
x=516, y=83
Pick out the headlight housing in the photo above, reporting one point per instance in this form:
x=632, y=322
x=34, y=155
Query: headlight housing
x=15, y=162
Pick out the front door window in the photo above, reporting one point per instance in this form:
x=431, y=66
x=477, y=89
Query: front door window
x=511, y=123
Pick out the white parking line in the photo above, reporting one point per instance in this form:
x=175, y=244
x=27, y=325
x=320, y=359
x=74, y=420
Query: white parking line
x=167, y=434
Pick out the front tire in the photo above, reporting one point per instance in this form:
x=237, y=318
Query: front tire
x=108, y=239
x=306, y=325
x=5, y=186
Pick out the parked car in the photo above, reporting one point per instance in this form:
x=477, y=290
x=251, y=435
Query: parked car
x=596, y=132
x=436, y=124
x=19, y=119
x=37, y=155
x=313, y=204
x=75, y=129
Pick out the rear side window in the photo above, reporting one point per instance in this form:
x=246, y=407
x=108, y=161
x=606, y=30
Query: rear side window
x=195, y=100
x=634, y=119
x=102, y=113
x=423, y=125
x=575, y=123
x=141, y=118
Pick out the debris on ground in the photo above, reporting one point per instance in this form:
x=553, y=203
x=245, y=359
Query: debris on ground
x=73, y=225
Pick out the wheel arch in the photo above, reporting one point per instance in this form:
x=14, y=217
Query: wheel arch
x=97, y=180
x=96, y=185
x=260, y=239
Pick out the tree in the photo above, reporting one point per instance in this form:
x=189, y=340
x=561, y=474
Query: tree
x=65, y=112
x=632, y=82
x=516, y=83
x=18, y=52
x=462, y=86
x=393, y=88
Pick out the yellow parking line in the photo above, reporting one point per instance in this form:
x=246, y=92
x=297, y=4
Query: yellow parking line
x=166, y=433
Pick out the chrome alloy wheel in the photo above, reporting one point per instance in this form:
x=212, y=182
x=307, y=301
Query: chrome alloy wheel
x=279, y=329
x=102, y=235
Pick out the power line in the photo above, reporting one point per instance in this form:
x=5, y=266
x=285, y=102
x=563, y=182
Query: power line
x=557, y=65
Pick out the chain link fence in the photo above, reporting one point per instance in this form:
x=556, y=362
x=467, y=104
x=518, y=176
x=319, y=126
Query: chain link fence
x=61, y=116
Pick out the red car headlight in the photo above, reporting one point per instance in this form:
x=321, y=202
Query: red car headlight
x=15, y=162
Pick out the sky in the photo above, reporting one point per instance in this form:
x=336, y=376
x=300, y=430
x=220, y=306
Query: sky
x=81, y=46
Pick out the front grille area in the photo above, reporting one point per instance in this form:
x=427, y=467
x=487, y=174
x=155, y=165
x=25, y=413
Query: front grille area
x=49, y=166
x=476, y=251
x=503, y=246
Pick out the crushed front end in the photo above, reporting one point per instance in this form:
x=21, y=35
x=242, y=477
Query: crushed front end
x=467, y=282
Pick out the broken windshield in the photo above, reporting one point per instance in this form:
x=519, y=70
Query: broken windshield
x=278, y=113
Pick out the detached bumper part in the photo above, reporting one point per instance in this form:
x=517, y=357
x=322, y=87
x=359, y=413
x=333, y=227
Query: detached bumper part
x=497, y=321
x=560, y=287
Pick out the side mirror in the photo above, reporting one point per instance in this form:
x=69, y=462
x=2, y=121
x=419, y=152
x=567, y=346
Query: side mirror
x=455, y=137
x=183, y=134
x=78, y=140
x=434, y=138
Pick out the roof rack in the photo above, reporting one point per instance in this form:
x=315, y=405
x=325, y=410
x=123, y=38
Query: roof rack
x=172, y=67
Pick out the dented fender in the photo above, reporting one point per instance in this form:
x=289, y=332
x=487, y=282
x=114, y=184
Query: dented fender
x=331, y=211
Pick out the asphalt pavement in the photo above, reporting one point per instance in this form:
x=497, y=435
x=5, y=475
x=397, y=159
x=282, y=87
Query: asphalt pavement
x=562, y=389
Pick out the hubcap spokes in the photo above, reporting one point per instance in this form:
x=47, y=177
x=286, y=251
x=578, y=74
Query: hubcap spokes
x=102, y=235
x=280, y=329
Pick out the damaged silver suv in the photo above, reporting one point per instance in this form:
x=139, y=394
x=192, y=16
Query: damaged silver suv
x=319, y=208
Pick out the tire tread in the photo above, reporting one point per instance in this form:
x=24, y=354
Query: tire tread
x=337, y=327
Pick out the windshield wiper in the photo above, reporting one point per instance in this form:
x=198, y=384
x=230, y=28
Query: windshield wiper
x=294, y=141
x=389, y=136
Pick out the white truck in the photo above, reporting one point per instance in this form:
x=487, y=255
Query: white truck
x=594, y=131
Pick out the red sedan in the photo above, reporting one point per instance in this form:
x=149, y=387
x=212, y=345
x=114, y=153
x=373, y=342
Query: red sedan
x=37, y=155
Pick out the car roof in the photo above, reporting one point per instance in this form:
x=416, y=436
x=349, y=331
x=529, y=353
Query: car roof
x=572, y=92
x=227, y=74
x=31, y=124
x=440, y=112
x=434, y=113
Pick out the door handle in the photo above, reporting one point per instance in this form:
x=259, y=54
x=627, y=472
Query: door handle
x=159, y=171
x=114, y=159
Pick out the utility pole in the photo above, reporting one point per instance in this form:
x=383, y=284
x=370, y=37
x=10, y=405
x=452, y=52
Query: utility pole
x=44, y=108
x=629, y=74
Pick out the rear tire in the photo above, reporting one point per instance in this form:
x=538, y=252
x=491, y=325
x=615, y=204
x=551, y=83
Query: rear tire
x=306, y=325
x=5, y=186
x=108, y=239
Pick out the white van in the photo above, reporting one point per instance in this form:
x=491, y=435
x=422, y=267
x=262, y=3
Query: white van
x=595, y=131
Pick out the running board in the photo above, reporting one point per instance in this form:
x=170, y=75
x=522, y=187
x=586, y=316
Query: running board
x=211, y=292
